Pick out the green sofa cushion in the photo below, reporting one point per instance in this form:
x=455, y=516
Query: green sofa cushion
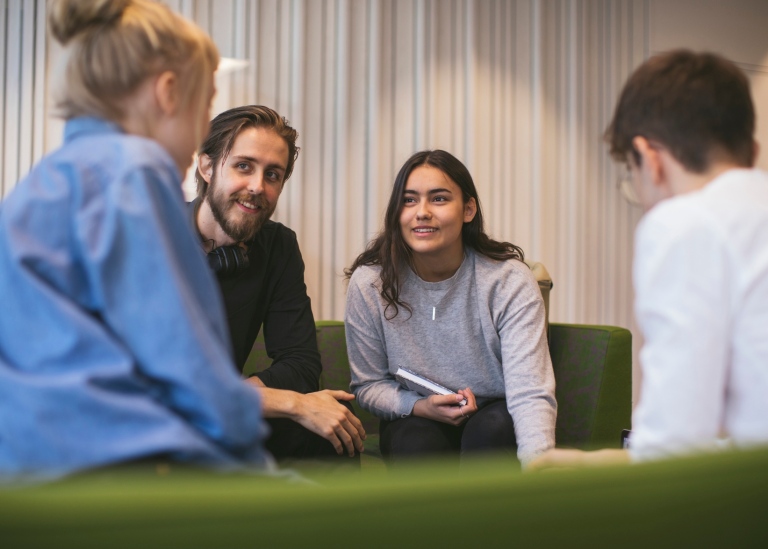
x=708, y=501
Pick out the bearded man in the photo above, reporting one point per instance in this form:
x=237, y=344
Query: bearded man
x=242, y=168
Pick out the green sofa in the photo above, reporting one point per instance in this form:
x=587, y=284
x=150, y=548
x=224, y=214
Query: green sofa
x=593, y=371
x=592, y=364
x=707, y=501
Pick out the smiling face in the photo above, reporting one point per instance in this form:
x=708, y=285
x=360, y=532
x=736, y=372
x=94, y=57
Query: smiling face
x=432, y=217
x=246, y=184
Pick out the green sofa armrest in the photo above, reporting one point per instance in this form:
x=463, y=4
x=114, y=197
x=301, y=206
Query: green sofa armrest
x=593, y=372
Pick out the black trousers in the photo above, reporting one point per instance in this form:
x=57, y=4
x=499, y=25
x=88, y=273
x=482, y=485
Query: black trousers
x=490, y=429
x=290, y=441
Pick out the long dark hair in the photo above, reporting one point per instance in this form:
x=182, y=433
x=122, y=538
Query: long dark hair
x=389, y=249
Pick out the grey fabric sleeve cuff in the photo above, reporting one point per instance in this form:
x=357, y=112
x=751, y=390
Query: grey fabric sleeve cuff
x=405, y=403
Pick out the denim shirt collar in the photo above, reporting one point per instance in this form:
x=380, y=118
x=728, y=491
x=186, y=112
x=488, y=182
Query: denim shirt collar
x=88, y=125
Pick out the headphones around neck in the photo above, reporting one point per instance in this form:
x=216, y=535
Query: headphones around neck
x=228, y=260
x=224, y=260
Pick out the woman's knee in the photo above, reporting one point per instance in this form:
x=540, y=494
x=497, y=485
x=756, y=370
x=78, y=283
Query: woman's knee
x=491, y=428
x=414, y=436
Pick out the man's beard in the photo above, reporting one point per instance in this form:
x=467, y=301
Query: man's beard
x=244, y=228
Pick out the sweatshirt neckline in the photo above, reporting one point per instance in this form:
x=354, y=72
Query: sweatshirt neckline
x=422, y=284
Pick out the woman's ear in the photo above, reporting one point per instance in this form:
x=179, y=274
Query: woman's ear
x=167, y=92
x=470, y=209
x=205, y=167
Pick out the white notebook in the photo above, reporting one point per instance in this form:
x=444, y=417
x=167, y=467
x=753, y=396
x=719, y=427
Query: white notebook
x=422, y=385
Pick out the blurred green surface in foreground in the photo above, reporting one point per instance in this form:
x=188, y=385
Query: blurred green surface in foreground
x=710, y=501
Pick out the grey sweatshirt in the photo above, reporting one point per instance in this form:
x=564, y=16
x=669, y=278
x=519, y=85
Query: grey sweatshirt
x=483, y=328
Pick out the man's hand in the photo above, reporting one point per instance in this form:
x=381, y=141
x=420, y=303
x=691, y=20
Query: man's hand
x=321, y=413
x=318, y=412
x=446, y=408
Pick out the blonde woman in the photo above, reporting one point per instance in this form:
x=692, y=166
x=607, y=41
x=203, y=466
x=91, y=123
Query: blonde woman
x=113, y=342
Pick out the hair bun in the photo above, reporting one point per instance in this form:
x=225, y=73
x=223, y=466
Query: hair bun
x=69, y=18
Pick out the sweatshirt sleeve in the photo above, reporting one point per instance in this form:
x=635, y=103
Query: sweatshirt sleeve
x=528, y=376
x=373, y=385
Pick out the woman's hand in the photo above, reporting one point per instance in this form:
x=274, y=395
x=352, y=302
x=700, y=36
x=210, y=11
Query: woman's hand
x=447, y=408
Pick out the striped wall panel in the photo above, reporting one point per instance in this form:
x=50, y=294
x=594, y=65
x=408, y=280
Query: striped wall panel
x=22, y=88
x=520, y=90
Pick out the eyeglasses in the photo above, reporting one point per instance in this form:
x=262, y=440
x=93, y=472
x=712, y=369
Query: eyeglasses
x=626, y=188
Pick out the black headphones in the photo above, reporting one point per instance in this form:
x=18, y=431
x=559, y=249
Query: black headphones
x=224, y=260
x=228, y=260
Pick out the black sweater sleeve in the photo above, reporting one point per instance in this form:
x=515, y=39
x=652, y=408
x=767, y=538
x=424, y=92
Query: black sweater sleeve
x=289, y=326
x=270, y=294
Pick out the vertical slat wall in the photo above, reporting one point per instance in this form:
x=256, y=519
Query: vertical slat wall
x=519, y=90
x=22, y=92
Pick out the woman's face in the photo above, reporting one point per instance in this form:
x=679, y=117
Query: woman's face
x=188, y=126
x=433, y=215
x=198, y=120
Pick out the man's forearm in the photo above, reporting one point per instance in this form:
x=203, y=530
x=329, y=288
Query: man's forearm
x=320, y=412
x=277, y=403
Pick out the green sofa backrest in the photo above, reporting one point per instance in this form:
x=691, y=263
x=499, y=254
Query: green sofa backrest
x=593, y=372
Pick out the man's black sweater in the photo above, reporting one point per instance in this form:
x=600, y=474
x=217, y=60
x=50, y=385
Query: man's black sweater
x=271, y=293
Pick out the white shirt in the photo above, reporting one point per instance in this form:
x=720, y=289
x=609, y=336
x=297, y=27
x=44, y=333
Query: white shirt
x=701, y=283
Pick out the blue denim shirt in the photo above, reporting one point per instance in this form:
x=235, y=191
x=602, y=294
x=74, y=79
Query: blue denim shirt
x=113, y=339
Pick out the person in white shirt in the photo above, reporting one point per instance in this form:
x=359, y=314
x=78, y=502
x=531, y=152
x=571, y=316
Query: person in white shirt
x=684, y=124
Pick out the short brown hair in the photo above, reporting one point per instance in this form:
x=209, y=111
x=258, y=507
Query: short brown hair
x=227, y=126
x=697, y=105
x=112, y=46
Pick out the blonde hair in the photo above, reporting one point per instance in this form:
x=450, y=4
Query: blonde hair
x=112, y=46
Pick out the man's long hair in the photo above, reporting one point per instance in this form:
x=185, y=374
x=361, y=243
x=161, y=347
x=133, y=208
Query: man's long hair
x=227, y=126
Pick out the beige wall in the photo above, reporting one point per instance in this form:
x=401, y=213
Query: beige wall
x=520, y=91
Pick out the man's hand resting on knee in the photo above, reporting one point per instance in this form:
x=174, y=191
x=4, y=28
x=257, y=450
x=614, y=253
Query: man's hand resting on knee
x=318, y=412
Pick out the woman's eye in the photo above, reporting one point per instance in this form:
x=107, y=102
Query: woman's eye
x=409, y=200
x=242, y=166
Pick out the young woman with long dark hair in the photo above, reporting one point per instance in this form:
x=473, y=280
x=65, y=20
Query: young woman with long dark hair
x=434, y=294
